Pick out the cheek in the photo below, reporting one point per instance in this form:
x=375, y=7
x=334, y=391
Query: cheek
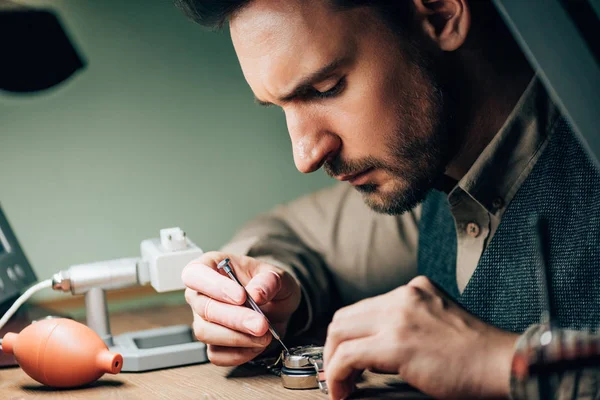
x=367, y=119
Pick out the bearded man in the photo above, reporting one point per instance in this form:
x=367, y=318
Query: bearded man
x=428, y=255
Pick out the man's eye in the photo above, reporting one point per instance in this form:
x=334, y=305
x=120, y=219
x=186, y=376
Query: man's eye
x=334, y=91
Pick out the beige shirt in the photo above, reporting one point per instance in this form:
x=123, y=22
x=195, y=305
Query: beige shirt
x=333, y=243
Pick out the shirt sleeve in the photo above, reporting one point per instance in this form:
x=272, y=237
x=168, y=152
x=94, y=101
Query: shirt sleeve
x=583, y=384
x=338, y=249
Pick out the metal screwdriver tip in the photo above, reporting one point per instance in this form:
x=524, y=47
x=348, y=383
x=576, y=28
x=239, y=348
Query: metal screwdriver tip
x=224, y=264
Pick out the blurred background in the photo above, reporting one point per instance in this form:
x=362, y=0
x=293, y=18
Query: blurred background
x=158, y=130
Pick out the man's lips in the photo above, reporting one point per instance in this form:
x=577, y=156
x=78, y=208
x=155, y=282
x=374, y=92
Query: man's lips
x=359, y=178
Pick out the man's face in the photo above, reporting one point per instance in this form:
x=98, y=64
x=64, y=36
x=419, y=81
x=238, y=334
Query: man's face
x=359, y=100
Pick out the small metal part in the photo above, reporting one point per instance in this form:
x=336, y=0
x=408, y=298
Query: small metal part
x=61, y=281
x=321, y=379
x=299, y=357
x=303, y=369
x=224, y=265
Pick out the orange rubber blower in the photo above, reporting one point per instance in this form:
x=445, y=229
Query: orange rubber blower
x=61, y=353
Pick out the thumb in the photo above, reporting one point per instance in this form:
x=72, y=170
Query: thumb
x=264, y=286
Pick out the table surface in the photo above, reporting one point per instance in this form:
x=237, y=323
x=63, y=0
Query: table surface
x=198, y=382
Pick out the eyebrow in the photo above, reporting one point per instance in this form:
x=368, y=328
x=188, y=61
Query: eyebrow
x=307, y=82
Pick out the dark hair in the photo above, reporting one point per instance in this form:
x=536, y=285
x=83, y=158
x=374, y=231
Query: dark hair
x=215, y=13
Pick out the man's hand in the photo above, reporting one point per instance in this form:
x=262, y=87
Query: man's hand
x=417, y=332
x=234, y=333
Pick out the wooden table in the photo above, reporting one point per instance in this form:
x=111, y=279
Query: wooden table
x=197, y=382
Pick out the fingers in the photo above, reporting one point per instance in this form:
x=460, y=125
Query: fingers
x=348, y=323
x=205, y=279
x=231, y=356
x=217, y=301
x=261, y=279
x=349, y=359
x=426, y=285
x=234, y=317
x=437, y=300
x=215, y=334
x=264, y=286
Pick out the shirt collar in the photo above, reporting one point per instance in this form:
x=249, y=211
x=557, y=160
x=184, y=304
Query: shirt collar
x=506, y=161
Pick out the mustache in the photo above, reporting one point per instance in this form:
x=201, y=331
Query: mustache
x=336, y=166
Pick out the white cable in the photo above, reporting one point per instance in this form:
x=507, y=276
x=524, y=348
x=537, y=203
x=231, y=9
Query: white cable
x=24, y=297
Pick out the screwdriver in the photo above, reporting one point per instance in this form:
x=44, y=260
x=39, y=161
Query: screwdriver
x=224, y=265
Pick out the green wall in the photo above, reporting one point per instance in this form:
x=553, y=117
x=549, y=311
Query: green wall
x=159, y=130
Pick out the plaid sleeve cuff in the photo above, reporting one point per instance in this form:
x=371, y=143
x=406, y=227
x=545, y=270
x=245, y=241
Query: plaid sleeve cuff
x=521, y=387
x=581, y=384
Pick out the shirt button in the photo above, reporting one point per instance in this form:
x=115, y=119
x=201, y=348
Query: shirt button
x=497, y=202
x=473, y=229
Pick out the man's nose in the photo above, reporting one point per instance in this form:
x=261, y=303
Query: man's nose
x=312, y=142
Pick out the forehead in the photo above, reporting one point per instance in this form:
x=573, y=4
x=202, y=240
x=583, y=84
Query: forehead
x=276, y=39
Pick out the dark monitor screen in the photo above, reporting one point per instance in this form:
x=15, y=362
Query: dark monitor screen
x=15, y=271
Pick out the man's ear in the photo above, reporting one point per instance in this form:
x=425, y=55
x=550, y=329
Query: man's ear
x=446, y=22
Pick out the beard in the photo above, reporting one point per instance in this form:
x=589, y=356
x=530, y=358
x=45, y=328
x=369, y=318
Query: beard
x=419, y=146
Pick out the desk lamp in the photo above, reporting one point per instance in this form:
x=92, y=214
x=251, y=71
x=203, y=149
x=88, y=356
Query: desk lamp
x=35, y=50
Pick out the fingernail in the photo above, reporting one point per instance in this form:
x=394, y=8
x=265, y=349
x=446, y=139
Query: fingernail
x=233, y=294
x=253, y=324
